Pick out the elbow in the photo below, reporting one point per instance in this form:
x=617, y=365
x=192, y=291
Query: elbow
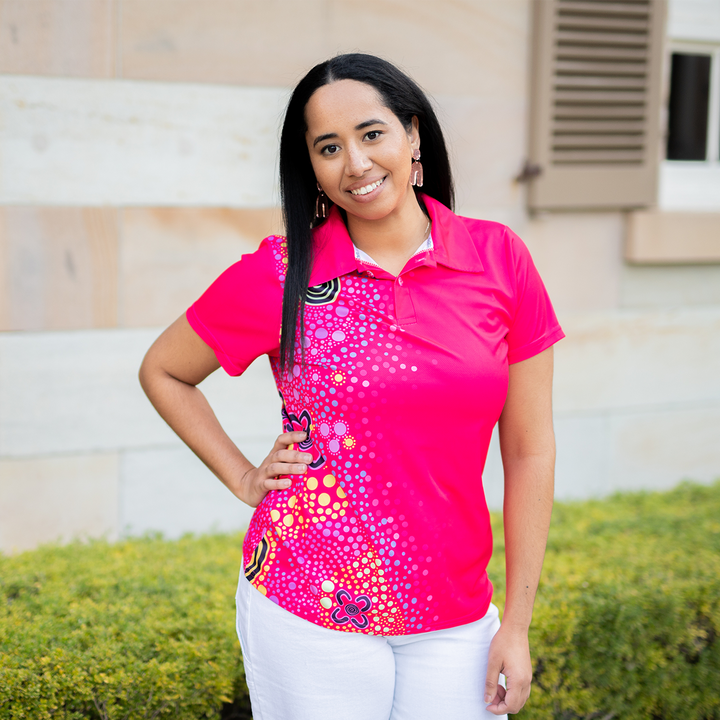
x=148, y=372
x=143, y=375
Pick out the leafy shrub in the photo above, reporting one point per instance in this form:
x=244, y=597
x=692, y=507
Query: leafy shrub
x=137, y=629
x=627, y=621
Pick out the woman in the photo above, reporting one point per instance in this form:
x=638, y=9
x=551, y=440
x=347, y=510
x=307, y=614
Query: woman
x=399, y=334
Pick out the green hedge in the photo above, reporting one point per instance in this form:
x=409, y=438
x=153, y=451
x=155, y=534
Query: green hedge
x=137, y=629
x=627, y=619
x=627, y=622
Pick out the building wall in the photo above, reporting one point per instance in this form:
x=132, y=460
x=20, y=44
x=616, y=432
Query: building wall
x=138, y=150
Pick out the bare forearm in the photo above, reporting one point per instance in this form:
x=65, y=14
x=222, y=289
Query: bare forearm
x=526, y=512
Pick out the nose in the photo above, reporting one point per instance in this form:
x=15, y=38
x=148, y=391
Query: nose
x=357, y=163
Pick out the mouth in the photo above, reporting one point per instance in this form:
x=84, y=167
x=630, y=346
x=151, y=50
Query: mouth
x=368, y=188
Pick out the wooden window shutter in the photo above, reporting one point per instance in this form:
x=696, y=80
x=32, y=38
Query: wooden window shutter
x=595, y=119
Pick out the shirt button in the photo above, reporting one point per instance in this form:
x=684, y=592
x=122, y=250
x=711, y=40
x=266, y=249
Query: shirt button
x=369, y=274
x=400, y=282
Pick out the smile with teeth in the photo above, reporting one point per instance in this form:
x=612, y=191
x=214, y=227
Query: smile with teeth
x=368, y=188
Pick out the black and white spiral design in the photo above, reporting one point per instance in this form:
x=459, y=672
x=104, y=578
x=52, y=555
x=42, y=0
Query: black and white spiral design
x=323, y=294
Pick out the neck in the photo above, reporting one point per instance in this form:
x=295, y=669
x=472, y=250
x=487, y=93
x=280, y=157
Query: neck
x=391, y=241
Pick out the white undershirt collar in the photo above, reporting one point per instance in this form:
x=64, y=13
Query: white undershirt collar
x=365, y=258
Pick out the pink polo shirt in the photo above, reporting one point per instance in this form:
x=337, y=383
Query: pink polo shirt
x=388, y=533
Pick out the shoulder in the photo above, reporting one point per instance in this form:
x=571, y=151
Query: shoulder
x=497, y=245
x=271, y=256
x=255, y=282
x=488, y=233
x=266, y=266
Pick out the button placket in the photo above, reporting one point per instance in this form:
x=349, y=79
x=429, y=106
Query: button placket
x=404, y=306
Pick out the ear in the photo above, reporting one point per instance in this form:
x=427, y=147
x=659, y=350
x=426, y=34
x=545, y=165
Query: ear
x=414, y=133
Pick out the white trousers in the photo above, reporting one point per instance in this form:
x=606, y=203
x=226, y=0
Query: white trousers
x=297, y=670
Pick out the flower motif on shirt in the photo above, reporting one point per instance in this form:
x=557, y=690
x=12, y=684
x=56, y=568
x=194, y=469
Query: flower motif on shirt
x=303, y=423
x=351, y=610
x=323, y=294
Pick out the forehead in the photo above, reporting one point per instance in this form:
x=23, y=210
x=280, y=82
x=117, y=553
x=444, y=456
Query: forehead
x=344, y=102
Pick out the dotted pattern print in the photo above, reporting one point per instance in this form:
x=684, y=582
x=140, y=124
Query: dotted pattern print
x=335, y=547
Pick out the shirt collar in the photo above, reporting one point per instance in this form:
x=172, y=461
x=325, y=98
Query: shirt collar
x=365, y=258
x=452, y=244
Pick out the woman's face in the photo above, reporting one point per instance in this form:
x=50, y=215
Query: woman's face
x=360, y=152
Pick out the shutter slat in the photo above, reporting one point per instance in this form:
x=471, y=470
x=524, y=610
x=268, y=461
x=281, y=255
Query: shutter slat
x=597, y=141
x=603, y=24
x=591, y=83
x=606, y=126
x=609, y=8
x=597, y=112
x=571, y=37
x=600, y=96
x=606, y=156
x=588, y=67
x=580, y=52
x=596, y=96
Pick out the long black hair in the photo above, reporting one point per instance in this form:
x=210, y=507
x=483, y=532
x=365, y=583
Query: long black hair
x=298, y=186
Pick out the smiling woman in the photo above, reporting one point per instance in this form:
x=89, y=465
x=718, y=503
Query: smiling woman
x=399, y=335
x=362, y=157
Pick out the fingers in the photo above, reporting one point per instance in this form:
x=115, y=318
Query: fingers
x=494, y=691
x=505, y=700
x=289, y=438
x=498, y=705
x=284, y=460
x=272, y=474
x=511, y=700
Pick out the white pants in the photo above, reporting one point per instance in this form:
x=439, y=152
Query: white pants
x=297, y=670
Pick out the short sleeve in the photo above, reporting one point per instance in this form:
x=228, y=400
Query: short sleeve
x=534, y=327
x=239, y=316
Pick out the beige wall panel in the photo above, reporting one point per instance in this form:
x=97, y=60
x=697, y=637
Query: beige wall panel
x=582, y=455
x=101, y=142
x=74, y=392
x=58, y=37
x=657, y=286
x=673, y=237
x=60, y=268
x=579, y=258
x=658, y=449
x=486, y=138
x=456, y=48
x=638, y=360
x=689, y=186
x=170, y=255
x=57, y=498
x=169, y=490
x=694, y=20
x=223, y=41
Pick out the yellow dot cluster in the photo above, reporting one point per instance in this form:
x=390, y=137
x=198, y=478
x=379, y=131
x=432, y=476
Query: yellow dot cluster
x=259, y=579
x=364, y=576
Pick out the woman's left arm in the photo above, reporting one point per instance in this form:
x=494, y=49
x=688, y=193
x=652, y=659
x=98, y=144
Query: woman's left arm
x=527, y=444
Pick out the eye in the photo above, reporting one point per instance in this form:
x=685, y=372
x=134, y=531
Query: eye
x=373, y=134
x=330, y=150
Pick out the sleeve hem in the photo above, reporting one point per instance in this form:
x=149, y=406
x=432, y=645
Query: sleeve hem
x=226, y=362
x=536, y=347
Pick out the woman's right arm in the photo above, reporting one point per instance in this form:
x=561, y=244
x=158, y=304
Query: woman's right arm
x=178, y=361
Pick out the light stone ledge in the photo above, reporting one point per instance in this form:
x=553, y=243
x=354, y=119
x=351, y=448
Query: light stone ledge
x=626, y=359
x=82, y=142
x=605, y=452
x=652, y=450
x=169, y=490
x=78, y=392
x=57, y=499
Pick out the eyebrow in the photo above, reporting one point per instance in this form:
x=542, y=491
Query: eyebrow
x=361, y=126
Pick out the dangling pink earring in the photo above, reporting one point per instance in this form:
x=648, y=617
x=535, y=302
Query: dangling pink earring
x=416, y=171
x=321, y=204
